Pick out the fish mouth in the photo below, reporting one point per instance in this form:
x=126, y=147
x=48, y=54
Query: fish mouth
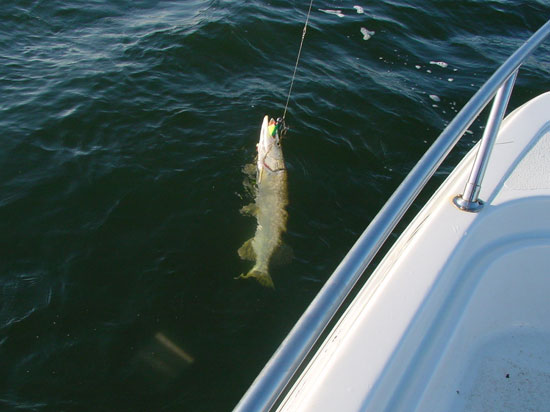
x=270, y=156
x=264, y=143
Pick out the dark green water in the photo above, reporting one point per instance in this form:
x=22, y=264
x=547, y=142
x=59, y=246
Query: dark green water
x=125, y=127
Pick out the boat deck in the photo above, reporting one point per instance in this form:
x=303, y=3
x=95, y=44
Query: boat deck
x=456, y=315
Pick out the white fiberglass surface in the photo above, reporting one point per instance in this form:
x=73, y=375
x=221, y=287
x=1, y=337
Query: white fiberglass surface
x=496, y=298
x=498, y=355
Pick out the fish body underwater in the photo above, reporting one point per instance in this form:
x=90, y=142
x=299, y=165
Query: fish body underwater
x=269, y=207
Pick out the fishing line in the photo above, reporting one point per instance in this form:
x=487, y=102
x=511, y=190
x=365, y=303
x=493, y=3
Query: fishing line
x=298, y=58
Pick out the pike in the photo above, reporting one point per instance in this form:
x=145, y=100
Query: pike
x=270, y=203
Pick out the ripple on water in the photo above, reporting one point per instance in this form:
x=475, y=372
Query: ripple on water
x=24, y=294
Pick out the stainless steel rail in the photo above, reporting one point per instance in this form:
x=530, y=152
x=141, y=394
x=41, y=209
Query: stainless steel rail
x=280, y=369
x=469, y=201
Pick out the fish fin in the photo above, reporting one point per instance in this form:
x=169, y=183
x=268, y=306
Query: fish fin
x=260, y=175
x=246, y=251
x=249, y=185
x=250, y=174
x=251, y=209
x=283, y=255
x=262, y=277
x=250, y=170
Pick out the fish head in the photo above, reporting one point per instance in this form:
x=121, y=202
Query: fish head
x=270, y=152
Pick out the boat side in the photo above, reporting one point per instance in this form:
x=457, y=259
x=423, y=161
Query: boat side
x=422, y=332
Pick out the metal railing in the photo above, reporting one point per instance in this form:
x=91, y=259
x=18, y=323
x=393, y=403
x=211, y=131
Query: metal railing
x=469, y=201
x=273, y=379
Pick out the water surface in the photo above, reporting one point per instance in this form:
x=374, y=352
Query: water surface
x=125, y=128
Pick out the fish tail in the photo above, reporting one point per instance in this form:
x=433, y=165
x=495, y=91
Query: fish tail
x=260, y=276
